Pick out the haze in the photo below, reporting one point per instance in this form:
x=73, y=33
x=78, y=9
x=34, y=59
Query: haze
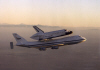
x=69, y=13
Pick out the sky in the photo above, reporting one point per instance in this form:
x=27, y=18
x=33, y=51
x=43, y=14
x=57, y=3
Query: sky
x=69, y=13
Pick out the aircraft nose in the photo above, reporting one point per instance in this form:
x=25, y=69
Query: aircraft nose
x=83, y=38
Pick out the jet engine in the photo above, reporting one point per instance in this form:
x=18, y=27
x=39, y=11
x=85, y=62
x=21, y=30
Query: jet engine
x=42, y=49
x=55, y=47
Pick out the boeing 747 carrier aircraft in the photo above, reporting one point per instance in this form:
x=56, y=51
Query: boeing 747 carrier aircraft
x=43, y=45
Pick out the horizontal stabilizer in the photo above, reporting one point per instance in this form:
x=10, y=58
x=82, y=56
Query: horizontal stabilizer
x=11, y=45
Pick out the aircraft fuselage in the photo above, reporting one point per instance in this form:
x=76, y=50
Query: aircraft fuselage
x=50, y=35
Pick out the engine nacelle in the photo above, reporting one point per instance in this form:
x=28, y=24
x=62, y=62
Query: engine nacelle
x=42, y=49
x=55, y=47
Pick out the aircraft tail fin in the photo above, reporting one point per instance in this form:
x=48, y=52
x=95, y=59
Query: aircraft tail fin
x=38, y=29
x=20, y=40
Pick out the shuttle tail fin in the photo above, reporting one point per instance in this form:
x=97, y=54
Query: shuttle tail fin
x=38, y=29
x=20, y=40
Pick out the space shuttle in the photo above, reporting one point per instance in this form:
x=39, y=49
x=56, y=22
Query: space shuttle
x=41, y=35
